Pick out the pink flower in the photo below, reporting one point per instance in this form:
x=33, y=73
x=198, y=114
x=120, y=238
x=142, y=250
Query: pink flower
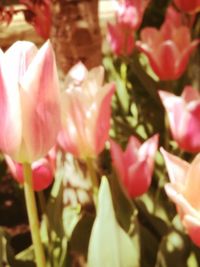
x=121, y=40
x=129, y=14
x=188, y=6
x=184, y=117
x=29, y=101
x=183, y=190
x=43, y=170
x=167, y=49
x=86, y=105
x=135, y=165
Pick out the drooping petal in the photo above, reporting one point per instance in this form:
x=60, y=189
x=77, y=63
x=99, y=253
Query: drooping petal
x=40, y=105
x=131, y=152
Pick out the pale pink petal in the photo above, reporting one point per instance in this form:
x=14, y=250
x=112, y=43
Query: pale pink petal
x=76, y=74
x=102, y=125
x=192, y=183
x=184, y=207
x=10, y=111
x=175, y=107
x=176, y=167
x=40, y=103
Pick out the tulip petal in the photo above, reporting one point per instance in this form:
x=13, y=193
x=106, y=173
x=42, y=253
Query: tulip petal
x=10, y=110
x=139, y=179
x=40, y=103
x=103, y=119
x=148, y=150
x=192, y=224
x=189, y=94
x=131, y=152
x=192, y=184
x=176, y=167
x=174, y=106
x=118, y=160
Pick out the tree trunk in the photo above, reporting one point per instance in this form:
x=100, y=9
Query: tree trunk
x=76, y=33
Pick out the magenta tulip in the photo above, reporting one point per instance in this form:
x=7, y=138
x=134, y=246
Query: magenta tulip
x=86, y=109
x=184, y=117
x=167, y=49
x=43, y=170
x=188, y=6
x=183, y=190
x=135, y=165
x=29, y=101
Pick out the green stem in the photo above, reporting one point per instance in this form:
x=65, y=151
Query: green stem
x=93, y=177
x=33, y=216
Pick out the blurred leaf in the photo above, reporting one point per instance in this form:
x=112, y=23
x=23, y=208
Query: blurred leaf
x=174, y=250
x=81, y=234
x=124, y=208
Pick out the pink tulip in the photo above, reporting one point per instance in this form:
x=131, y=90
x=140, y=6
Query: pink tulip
x=167, y=49
x=183, y=190
x=129, y=14
x=121, y=40
x=86, y=105
x=183, y=114
x=43, y=170
x=188, y=6
x=29, y=101
x=135, y=165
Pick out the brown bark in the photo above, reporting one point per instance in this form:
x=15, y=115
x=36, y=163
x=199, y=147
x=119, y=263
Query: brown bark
x=76, y=33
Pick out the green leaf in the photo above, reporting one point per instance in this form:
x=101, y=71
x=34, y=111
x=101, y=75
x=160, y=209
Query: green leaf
x=109, y=244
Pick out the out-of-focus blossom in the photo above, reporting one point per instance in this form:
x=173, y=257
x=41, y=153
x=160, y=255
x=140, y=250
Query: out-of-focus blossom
x=86, y=110
x=121, y=40
x=43, y=170
x=29, y=101
x=188, y=6
x=178, y=19
x=109, y=244
x=183, y=190
x=38, y=13
x=129, y=14
x=167, y=49
x=183, y=114
x=135, y=165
